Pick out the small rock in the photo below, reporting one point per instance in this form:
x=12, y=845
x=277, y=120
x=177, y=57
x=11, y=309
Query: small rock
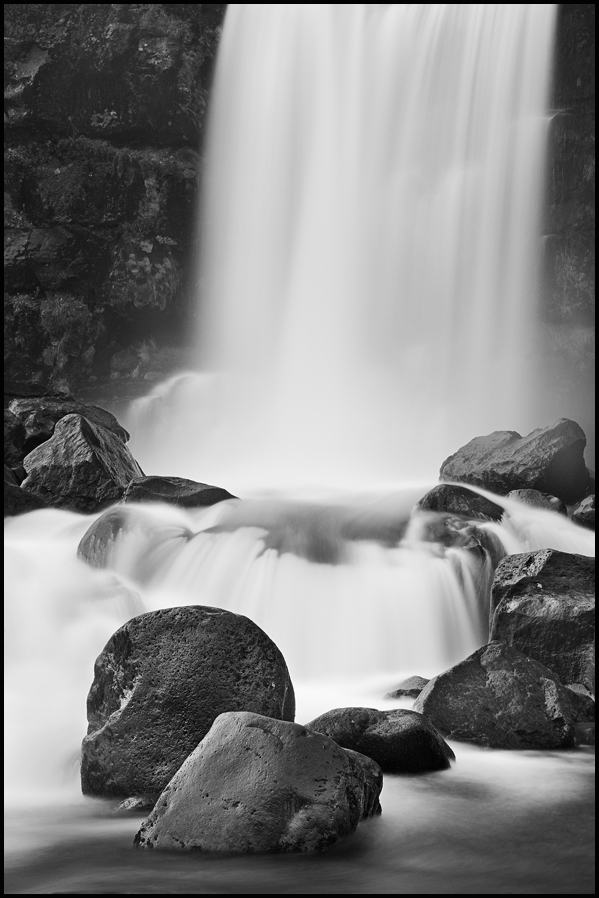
x=410, y=688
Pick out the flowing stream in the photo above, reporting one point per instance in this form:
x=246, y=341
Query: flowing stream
x=370, y=234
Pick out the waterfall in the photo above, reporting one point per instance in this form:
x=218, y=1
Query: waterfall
x=370, y=228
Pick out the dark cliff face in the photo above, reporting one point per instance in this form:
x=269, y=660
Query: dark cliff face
x=568, y=287
x=104, y=111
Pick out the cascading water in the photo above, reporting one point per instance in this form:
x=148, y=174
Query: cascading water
x=368, y=273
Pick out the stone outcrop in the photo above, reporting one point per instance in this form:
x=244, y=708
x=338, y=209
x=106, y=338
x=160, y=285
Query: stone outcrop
x=260, y=785
x=459, y=500
x=499, y=698
x=175, y=491
x=399, y=741
x=549, y=459
x=159, y=684
x=38, y=417
x=543, y=603
x=82, y=467
x=584, y=513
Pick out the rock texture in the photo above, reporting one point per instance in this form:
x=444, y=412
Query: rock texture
x=499, y=698
x=104, y=111
x=38, y=417
x=159, y=684
x=543, y=603
x=175, y=491
x=550, y=459
x=19, y=501
x=82, y=467
x=399, y=741
x=260, y=785
x=584, y=513
x=461, y=501
x=539, y=500
x=409, y=688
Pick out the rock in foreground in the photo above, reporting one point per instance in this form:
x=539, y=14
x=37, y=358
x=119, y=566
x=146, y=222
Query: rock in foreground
x=159, y=684
x=260, y=785
x=175, y=491
x=400, y=741
x=544, y=605
x=447, y=497
x=550, y=459
x=499, y=698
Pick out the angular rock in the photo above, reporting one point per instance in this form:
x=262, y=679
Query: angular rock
x=538, y=500
x=543, y=603
x=82, y=467
x=175, y=491
x=550, y=459
x=459, y=500
x=159, y=684
x=399, y=741
x=410, y=688
x=584, y=513
x=39, y=415
x=19, y=501
x=260, y=785
x=499, y=698
x=14, y=439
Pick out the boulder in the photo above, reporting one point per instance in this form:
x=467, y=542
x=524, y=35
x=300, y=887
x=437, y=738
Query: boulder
x=82, y=467
x=550, y=459
x=260, y=785
x=447, y=497
x=19, y=501
x=499, y=698
x=39, y=415
x=409, y=688
x=536, y=499
x=159, y=684
x=584, y=513
x=399, y=741
x=543, y=603
x=14, y=439
x=175, y=491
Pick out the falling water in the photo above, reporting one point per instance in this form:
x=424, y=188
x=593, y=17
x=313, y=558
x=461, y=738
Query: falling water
x=371, y=240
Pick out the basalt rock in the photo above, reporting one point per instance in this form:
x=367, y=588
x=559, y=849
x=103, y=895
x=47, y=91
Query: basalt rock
x=82, y=467
x=39, y=415
x=538, y=500
x=410, y=688
x=499, y=698
x=400, y=741
x=175, y=491
x=260, y=785
x=584, y=513
x=550, y=460
x=460, y=501
x=159, y=684
x=543, y=603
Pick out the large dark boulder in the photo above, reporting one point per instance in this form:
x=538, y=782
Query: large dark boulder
x=550, y=459
x=19, y=501
x=14, y=440
x=38, y=416
x=543, y=603
x=175, y=491
x=159, y=684
x=82, y=467
x=399, y=741
x=459, y=500
x=499, y=698
x=584, y=513
x=260, y=785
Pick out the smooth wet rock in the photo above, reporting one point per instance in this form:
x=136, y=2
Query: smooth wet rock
x=82, y=467
x=135, y=805
x=400, y=741
x=20, y=501
x=499, y=698
x=536, y=499
x=175, y=491
x=39, y=415
x=459, y=500
x=584, y=513
x=543, y=603
x=550, y=459
x=260, y=785
x=159, y=684
x=409, y=688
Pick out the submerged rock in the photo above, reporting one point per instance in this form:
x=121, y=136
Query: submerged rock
x=584, y=513
x=550, y=459
x=175, y=491
x=409, y=688
x=543, y=603
x=82, y=467
x=260, y=785
x=499, y=698
x=160, y=682
x=400, y=741
x=536, y=499
x=459, y=500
